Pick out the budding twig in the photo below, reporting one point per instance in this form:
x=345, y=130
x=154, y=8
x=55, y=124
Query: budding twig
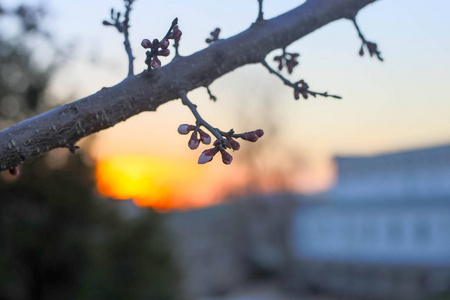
x=371, y=46
x=224, y=140
x=300, y=87
x=214, y=36
x=158, y=47
x=122, y=27
x=199, y=120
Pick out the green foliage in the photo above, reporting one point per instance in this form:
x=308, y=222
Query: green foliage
x=60, y=241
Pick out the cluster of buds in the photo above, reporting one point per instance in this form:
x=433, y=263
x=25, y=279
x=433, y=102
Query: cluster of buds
x=372, y=48
x=157, y=47
x=197, y=135
x=287, y=59
x=228, y=140
x=301, y=88
x=214, y=36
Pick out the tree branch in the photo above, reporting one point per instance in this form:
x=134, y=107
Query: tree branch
x=66, y=125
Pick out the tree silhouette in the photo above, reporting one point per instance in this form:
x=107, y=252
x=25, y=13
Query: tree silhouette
x=66, y=125
x=59, y=240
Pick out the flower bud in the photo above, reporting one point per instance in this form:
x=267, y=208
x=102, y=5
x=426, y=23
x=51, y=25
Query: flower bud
x=234, y=144
x=226, y=157
x=14, y=171
x=164, y=44
x=185, y=128
x=146, y=43
x=156, y=63
x=176, y=34
x=193, y=141
x=209, y=41
x=361, y=51
x=250, y=136
x=280, y=65
x=155, y=42
x=164, y=52
x=207, y=156
x=106, y=23
x=204, y=137
x=259, y=132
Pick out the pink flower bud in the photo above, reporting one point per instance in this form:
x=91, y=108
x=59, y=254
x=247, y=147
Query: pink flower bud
x=185, y=128
x=207, y=156
x=259, y=132
x=106, y=23
x=209, y=41
x=14, y=171
x=204, y=137
x=193, y=141
x=176, y=34
x=164, y=52
x=234, y=144
x=226, y=157
x=146, y=43
x=156, y=42
x=250, y=136
x=156, y=63
x=164, y=44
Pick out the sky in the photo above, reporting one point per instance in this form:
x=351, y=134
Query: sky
x=401, y=103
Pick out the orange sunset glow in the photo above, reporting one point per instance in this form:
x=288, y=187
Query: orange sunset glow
x=161, y=183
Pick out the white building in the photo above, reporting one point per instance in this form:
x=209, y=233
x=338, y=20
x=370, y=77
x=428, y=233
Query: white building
x=390, y=211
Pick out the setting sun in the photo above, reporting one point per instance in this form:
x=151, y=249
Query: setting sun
x=161, y=183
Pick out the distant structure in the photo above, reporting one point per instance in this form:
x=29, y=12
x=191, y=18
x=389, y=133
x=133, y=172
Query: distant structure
x=383, y=231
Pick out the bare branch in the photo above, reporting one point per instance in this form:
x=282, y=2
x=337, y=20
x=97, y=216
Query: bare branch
x=122, y=27
x=210, y=94
x=260, y=11
x=66, y=125
x=300, y=87
x=371, y=46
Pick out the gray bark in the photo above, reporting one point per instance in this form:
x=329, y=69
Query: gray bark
x=67, y=124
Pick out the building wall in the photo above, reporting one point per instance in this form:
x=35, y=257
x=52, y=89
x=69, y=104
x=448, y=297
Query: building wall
x=384, y=230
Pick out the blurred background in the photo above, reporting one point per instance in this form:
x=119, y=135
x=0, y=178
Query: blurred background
x=340, y=198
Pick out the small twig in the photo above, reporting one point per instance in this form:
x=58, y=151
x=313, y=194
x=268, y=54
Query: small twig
x=300, y=87
x=200, y=121
x=211, y=96
x=122, y=27
x=371, y=46
x=126, y=35
x=214, y=36
x=260, y=14
x=169, y=32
